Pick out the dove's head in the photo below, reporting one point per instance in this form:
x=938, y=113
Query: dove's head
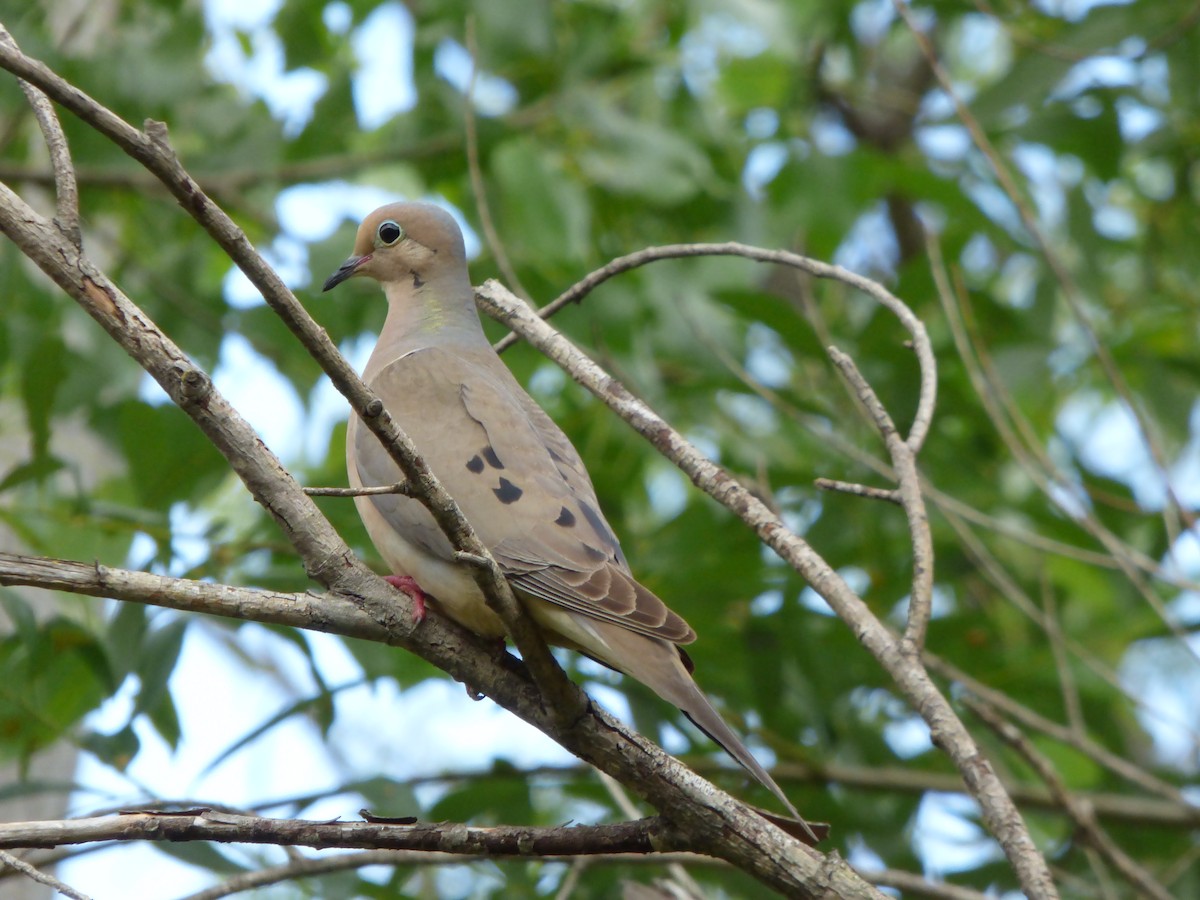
x=412, y=242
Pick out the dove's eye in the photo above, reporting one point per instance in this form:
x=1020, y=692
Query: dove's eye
x=389, y=232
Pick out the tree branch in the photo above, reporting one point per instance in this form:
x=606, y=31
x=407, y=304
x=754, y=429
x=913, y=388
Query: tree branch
x=66, y=191
x=641, y=836
x=7, y=860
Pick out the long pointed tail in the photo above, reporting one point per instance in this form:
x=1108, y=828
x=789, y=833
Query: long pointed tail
x=657, y=664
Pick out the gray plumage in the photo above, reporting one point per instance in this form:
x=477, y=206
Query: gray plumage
x=512, y=471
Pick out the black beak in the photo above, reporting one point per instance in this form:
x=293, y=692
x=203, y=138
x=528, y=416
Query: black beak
x=348, y=268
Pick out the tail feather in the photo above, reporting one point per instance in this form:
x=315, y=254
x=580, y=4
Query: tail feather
x=658, y=665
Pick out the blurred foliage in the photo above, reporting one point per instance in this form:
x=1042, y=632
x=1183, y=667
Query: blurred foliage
x=807, y=125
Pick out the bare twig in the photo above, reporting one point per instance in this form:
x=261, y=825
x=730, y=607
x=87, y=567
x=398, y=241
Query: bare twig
x=1072, y=705
x=920, y=603
x=66, y=191
x=641, y=836
x=312, y=867
x=916, y=886
x=887, y=495
x=35, y=874
x=400, y=487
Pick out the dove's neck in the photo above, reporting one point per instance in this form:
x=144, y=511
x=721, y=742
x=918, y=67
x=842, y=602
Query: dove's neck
x=425, y=314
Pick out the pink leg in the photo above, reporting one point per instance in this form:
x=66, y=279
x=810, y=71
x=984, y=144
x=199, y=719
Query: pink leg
x=408, y=585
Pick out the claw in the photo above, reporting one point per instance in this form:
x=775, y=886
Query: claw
x=409, y=586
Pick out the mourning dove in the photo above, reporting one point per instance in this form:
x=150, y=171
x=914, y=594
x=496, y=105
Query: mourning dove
x=515, y=475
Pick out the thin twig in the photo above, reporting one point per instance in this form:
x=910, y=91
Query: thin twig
x=887, y=495
x=571, y=879
x=920, y=601
x=1072, y=705
x=916, y=886
x=13, y=862
x=400, y=487
x=66, y=191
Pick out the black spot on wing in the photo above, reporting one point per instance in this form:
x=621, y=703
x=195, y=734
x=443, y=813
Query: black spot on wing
x=597, y=523
x=566, y=518
x=475, y=464
x=507, y=492
x=493, y=460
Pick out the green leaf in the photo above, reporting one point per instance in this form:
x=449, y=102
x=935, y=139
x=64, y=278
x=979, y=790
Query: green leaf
x=156, y=662
x=540, y=205
x=42, y=376
x=166, y=451
x=48, y=682
x=125, y=636
x=117, y=750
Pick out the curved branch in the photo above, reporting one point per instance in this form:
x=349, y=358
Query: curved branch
x=904, y=461
x=877, y=292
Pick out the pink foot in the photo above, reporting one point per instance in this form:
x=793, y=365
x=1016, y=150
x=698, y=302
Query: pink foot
x=408, y=585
